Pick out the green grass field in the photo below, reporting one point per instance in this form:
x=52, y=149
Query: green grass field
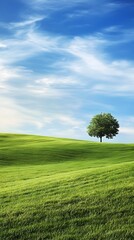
x=63, y=189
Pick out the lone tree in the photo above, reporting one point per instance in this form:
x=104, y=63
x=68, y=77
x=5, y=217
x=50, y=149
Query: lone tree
x=103, y=124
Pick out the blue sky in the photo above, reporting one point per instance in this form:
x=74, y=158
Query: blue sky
x=62, y=62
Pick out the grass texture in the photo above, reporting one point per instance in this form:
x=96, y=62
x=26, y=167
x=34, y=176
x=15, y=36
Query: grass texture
x=64, y=189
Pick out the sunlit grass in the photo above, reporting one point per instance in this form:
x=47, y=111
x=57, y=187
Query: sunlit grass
x=65, y=189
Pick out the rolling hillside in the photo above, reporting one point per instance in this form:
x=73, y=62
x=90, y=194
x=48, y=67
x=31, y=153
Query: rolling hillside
x=64, y=189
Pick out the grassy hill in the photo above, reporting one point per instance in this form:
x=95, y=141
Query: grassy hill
x=63, y=189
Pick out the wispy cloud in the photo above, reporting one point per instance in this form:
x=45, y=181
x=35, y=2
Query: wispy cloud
x=95, y=9
x=93, y=5
x=53, y=4
x=15, y=117
x=53, y=95
x=2, y=45
x=32, y=20
x=11, y=110
x=127, y=130
x=78, y=58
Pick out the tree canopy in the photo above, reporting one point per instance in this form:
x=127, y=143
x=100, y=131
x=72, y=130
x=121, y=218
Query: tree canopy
x=103, y=124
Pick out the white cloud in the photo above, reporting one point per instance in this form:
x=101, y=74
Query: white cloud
x=11, y=118
x=93, y=6
x=14, y=117
x=127, y=130
x=75, y=63
x=90, y=62
x=2, y=45
x=70, y=121
x=113, y=29
x=84, y=59
x=54, y=4
x=7, y=73
x=28, y=43
x=32, y=20
x=57, y=81
x=45, y=92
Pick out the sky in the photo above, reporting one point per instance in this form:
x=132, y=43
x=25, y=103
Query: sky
x=62, y=62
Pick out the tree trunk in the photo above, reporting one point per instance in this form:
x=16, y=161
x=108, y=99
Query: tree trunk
x=100, y=139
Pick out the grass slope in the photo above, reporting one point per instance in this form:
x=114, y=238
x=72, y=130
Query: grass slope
x=62, y=189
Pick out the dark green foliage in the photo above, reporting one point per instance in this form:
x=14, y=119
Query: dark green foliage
x=103, y=124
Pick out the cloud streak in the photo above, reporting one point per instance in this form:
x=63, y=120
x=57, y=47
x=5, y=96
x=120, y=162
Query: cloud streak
x=83, y=58
x=48, y=79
